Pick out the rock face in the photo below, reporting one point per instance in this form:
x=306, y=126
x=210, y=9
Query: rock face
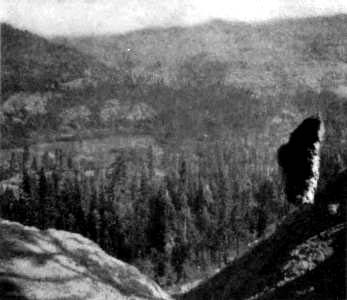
x=56, y=264
x=304, y=258
x=299, y=160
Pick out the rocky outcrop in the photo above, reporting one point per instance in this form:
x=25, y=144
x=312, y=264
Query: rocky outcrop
x=299, y=160
x=304, y=258
x=56, y=265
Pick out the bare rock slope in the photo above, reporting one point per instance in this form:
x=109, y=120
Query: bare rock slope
x=56, y=265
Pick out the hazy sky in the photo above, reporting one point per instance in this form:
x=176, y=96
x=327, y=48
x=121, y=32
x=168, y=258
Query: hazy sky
x=115, y=16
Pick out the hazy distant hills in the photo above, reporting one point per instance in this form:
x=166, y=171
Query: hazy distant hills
x=274, y=57
x=32, y=63
x=266, y=58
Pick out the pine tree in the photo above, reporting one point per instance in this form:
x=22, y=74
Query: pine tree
x=58, y=154
x=25, y=156
x=42, y=203
x=34, y=165
x=146, y=186
x=236, y=226
x=62, y=200
x=203, y=220
x=158, y=225
x=119, y=169
x=141, y=217
x=150, y=159
x=116, y=186
x=161, y=219
x=105, y=231
x=45, y=160
x=8, y=203
x=223, y=215
x=26, y=205
x=116, y=233
x=51, y=207
x=179, y=257
x=70, y=222
x=264, y=200
x=13, y=163
x=76, y=205
x=94, y=221
x=183, y=175
x=262, y=220
x=70, y=163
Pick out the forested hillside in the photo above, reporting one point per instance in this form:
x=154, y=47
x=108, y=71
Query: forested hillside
x=31, y=63
x=196, y=215
x=266, y=58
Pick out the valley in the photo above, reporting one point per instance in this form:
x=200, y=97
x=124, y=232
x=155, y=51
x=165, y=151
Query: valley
x=160, y=147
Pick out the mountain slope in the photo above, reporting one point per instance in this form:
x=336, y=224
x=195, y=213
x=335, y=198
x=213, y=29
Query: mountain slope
x=56, y=264
x=303, y=258
x=266, y=57
x=32, y=63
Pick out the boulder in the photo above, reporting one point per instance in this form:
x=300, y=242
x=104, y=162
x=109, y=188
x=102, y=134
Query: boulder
x=55, y=264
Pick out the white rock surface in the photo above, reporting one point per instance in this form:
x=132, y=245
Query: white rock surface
x=55, y=264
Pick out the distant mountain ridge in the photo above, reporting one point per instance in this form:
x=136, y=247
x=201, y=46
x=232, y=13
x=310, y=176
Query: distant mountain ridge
x=32, y=63
x=273, y=57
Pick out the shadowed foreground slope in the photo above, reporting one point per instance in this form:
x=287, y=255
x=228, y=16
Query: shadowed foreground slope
x=55, y=264
x=305, y=257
